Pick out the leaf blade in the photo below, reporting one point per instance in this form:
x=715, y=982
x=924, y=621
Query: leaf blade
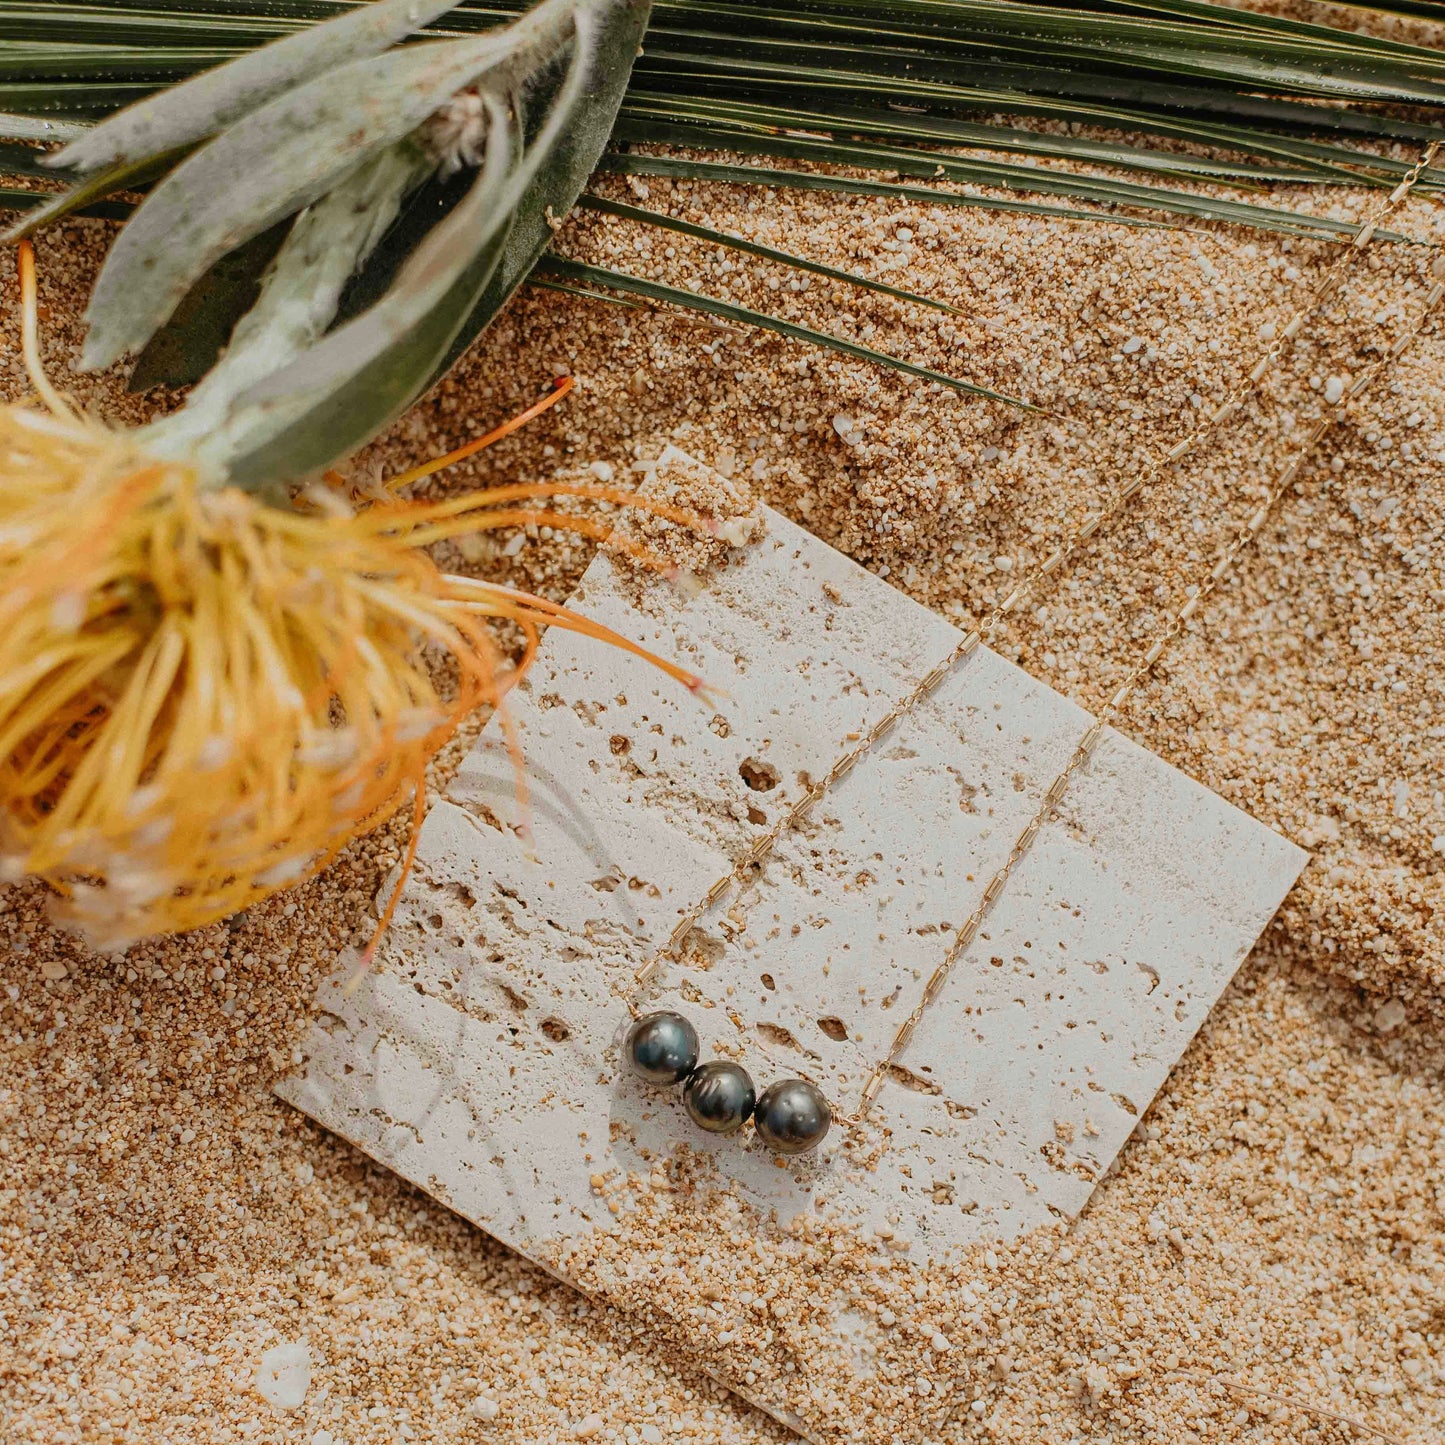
x=661, y=220
x=268, y=165
x=583, y=273
x=187, y=113
x=444, y=305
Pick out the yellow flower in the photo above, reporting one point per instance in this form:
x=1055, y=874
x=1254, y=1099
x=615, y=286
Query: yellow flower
x=203, y=697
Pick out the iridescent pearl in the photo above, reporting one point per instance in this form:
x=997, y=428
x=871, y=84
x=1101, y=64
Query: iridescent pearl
x=720, y=1096
x=792, y=1117
x=662, y=1048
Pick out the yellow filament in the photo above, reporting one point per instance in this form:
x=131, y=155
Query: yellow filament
x=204, y=697
x=427, y=469
x=30, y=334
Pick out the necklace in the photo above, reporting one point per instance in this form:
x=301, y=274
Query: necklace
x=793, y=1116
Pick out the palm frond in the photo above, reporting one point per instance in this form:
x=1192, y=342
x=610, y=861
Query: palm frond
x=1190, y=112
x=585, y=274
x=684, y=168
x=1145, y=66
x=663, y=221
x=872, y=71
x=1007, y=176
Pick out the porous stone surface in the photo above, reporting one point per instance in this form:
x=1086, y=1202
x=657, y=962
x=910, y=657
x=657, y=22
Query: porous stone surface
x=479, y=1057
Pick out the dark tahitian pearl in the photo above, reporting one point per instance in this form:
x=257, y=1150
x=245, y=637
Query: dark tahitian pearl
x=720, y=1096
x=662, y=1048
x=792, y=1117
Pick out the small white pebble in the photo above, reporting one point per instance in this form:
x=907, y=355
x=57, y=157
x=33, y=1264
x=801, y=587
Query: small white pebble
x=887, y=1318
x=1400, y=798
x=651, y=1434
x=1268, y=331
x=601, y=470
x=323, y=1437
x=484, y=1408
x=284, y=1376
x=941, y=1341
x=1133, y=344
x=53, y=970
x=587, y=1427
x=1334, y=390
x=1390, y=1015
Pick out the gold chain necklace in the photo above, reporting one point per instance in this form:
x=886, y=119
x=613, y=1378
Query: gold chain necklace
x=793, y=1116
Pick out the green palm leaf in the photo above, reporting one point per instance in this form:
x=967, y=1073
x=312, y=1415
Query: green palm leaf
x=1157, y=66
x=632, y=163
x=924, y=91
x=754, y=140
x=581, y=273
x=752, y=248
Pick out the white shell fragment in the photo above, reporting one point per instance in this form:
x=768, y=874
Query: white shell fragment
x=284, y=1376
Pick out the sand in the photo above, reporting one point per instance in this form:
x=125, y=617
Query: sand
x=1277, y=1220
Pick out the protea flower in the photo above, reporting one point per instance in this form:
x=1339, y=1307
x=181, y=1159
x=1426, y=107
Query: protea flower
x=204, y=695
x=212, y=673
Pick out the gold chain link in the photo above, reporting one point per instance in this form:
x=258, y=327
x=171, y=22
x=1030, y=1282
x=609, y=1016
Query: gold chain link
x=1173, y=626
x=764, y=844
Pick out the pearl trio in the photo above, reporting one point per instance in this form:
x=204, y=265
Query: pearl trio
x=791, y=1116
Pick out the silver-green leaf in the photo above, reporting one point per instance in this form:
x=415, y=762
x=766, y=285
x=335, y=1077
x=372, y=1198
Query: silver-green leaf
x=188, y=113
x=341, y=391
x=269, y=164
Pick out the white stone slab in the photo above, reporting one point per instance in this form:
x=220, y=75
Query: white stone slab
x=479, y=1058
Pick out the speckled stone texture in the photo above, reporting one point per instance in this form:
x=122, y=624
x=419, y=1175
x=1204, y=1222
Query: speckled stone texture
x=479, y=1058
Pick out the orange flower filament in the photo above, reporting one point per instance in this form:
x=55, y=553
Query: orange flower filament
x=204, y=697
